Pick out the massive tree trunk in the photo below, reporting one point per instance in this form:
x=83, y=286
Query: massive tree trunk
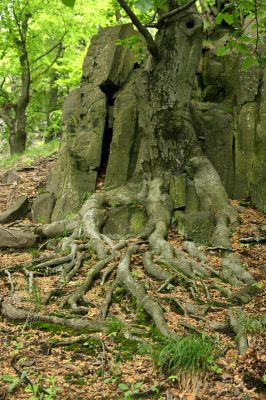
x=131, y=126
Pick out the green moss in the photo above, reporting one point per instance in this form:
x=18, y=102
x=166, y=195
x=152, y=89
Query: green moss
x=126, y=349
x=137, y=222
x=58, y=329
x=119, y=294
x=88, y=346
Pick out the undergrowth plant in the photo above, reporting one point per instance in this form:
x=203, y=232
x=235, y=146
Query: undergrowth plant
x=254, y=324
x=191, y=354
x=186, y=359
x=40, y=149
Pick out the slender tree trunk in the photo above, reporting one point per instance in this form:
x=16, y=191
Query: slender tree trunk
x=18, y=135
x=52, y=104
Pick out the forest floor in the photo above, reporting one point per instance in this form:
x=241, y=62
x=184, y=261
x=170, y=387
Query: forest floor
x=81, y=366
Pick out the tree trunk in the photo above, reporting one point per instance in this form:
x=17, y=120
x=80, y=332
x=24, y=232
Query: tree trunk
x=18, y=135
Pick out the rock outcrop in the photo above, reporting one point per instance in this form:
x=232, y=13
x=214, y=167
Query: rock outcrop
x=87, y=119
x=230, y=120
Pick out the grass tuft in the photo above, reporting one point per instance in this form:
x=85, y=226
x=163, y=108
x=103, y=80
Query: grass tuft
x=189, y=355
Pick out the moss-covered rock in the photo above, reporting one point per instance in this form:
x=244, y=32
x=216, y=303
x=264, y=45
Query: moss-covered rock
x=17, y=210
x=42, y=208
x=125, y=222
x=231, y=121
x=178, y=191
x=196, y=226
x=105, y=68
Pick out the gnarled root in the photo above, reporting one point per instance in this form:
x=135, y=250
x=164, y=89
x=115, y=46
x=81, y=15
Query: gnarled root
x=161, y=260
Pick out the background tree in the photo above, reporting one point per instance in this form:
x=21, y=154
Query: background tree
x=34, y=37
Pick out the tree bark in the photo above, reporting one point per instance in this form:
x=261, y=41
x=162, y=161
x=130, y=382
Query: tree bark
x=18, y=135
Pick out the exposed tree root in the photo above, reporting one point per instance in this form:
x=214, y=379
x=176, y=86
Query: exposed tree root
x=16, y=314
x=161, y=260
x=236, y=319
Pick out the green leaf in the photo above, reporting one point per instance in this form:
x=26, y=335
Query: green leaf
x=222, y=51
x=245, y=5
x=144, y=5
x=229, y=19
x=122, y=386
x=219, y=19
x=69, y=3
x=13, y=385
x=7, y=378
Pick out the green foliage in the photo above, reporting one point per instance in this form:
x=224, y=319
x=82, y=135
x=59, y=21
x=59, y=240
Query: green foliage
x=189, y=355
x=136, y=44
x=13, y=381
x=246, y=34
x=86, y=196
x=147, y=5
x=69, y=3
x=254, y=324
x=130, y=391
x=54, y=126
x=36, y=393
x=114, y=326
x=53, y=41
x=40, y=149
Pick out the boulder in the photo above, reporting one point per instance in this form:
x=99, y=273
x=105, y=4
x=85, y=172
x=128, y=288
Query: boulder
x=196, y=226
x=230, y=120
x=178, y=191
x=125, y=222
x=18, y=210
x=11, y=177
x=42, y=208
x=16, y=238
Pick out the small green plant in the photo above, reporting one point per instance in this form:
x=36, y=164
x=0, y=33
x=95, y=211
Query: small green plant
x=111, y=379
x=17, y=348
x=254, y=325
x=37, y=393
x=114, y=326
x=14, y=381
x=36, y=297
x=244, y=245
x=86, y=196
x=41, y=190
x=264, y=379
x=258, y=285
x=136, y=44
x=190, y=355
x=130, y=391
x=35, y=253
